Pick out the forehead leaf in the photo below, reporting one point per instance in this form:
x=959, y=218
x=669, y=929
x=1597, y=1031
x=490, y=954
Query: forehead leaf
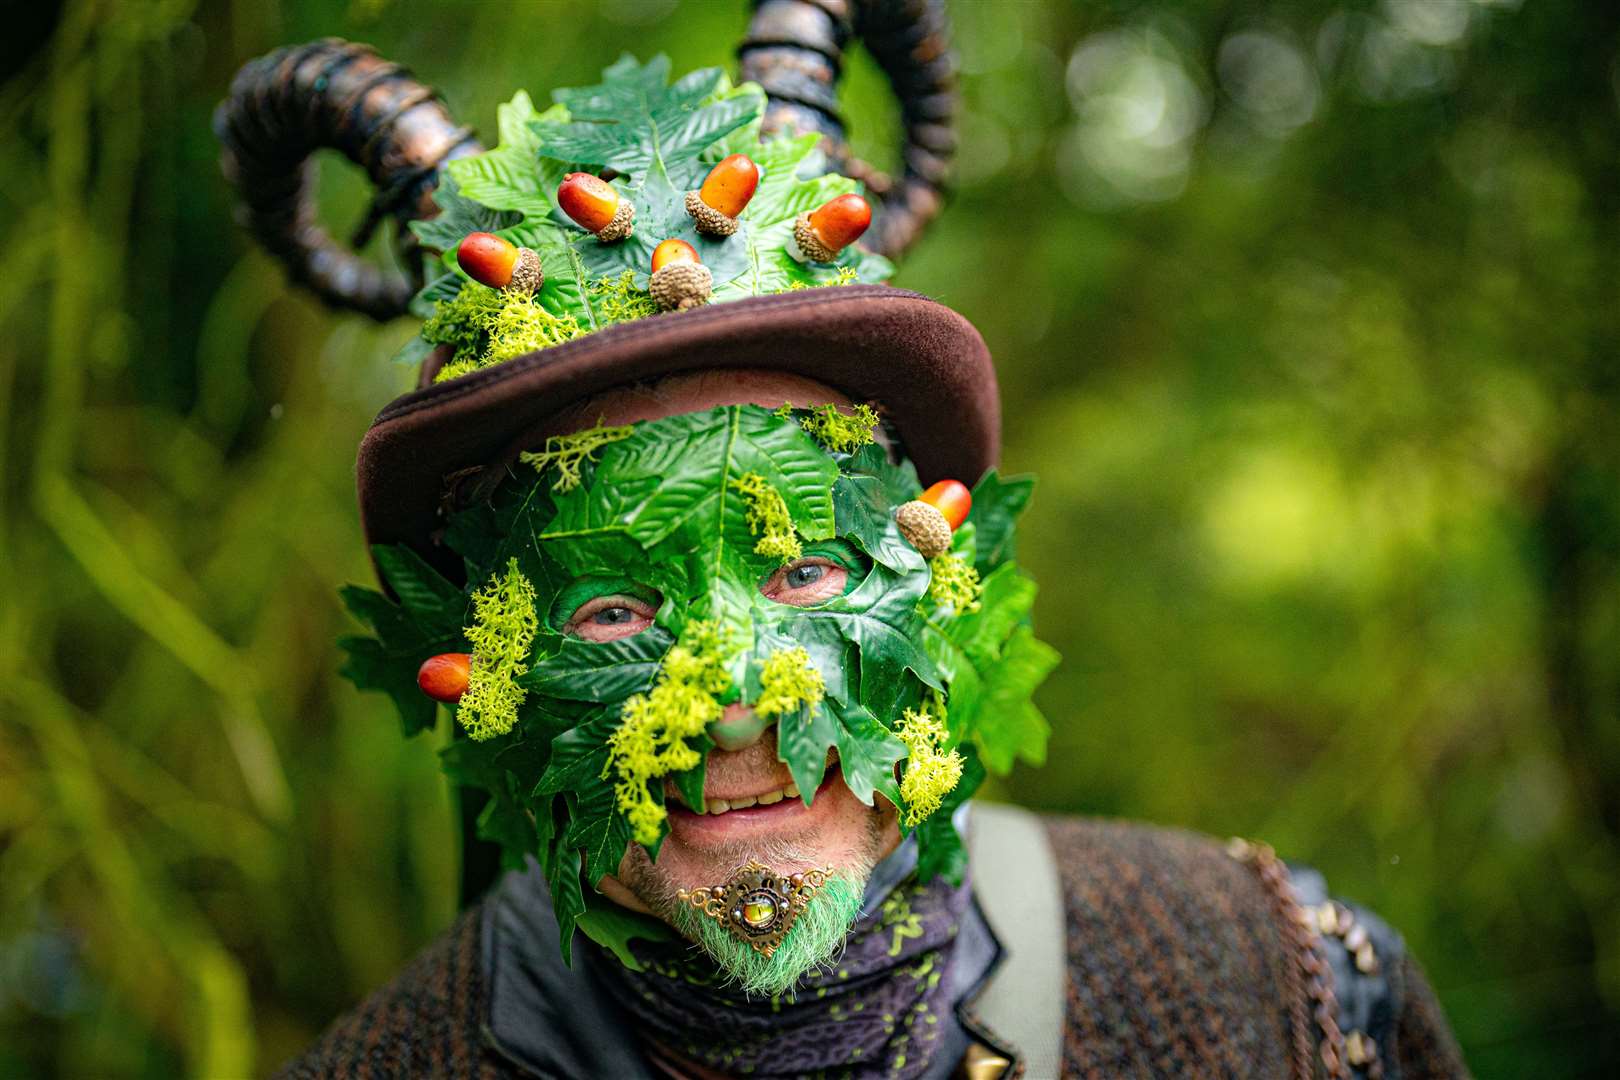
x=672, y=479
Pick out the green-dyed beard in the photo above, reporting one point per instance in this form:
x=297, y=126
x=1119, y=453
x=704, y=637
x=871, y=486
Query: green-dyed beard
x=813, y=941
x=573, y=740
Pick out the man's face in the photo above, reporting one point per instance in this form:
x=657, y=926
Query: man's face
x=763, y=817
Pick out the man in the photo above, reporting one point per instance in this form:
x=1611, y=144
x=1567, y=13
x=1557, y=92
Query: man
x=656, y=528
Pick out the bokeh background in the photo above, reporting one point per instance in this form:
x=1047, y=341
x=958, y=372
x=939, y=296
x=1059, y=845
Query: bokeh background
x=1307, y=318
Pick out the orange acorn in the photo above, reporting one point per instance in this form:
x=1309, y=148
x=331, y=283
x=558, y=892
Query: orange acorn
x=490, y=260
x=952, y=499
x=679, y=278
x=444, y=677
x=595, y=206
x=830, y=228
x=724, y=194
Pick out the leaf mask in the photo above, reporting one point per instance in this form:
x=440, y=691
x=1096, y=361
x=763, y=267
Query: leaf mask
x=916, y=693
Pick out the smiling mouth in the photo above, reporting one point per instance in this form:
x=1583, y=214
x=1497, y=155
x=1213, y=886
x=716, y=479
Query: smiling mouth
x=777, y=797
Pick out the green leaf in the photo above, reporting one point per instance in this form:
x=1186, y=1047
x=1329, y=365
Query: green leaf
x=997, y=503
x=430, y=598
x=802, y=742
x=867, y=754
x=599, y=828
x=633, y=117
x=567, y=898
x=1010, y=724
x=607, y=671
x=614, y=927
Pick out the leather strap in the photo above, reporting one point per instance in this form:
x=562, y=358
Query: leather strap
x=1015, y=880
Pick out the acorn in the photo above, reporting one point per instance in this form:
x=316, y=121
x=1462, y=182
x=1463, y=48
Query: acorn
x=952, y=498
x=818, y=236
x=679, y=279
x=596, y=207
x=444, y=677
x=490, y=260
x=925, y=527
x=724, y=194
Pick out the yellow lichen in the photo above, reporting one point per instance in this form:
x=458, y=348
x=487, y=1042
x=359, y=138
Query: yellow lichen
x=954, y=583
x=502, y=630
x=789, y=682
x=768, y=518
x=569, y=452
x=931, y=771
x=523, y=325
x=618, y=300
x=840, y=432
x=651, y=741
x=845, y=275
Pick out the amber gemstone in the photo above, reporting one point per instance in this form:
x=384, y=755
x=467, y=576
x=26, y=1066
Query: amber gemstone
x=759, y=912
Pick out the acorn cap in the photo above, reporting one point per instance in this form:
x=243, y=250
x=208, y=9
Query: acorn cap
x=804, y=234
x=924, y=527
x=681, y=286
x=710, y=222
x=527, y=276
x=622, y=224
x=922, y=363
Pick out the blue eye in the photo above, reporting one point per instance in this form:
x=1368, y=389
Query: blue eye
x=800, y=576
x=613, y=616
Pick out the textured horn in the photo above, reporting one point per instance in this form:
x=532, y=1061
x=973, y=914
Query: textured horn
x=794, y=49
x=335, y=94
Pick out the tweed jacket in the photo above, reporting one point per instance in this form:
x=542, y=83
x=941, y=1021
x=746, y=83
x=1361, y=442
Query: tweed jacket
x=1179, y=963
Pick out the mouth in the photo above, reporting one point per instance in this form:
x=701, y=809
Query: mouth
x=743, y=816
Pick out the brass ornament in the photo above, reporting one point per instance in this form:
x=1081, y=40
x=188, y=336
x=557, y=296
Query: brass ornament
x=757, y=904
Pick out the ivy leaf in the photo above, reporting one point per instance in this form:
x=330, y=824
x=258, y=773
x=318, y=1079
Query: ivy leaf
x=997, y=503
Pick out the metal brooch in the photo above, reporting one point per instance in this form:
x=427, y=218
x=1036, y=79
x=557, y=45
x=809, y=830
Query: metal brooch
x=757, y=904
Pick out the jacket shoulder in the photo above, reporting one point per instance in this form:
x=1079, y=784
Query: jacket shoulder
x=426, y=1022
x=1182, y=957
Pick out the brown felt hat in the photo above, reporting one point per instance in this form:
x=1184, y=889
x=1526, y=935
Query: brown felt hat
x=922, y=364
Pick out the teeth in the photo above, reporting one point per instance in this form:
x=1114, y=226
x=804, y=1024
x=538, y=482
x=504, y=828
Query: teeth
x=770, y=798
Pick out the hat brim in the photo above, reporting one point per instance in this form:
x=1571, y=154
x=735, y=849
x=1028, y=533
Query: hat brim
x=925, y=365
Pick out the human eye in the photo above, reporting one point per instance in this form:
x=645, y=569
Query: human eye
x=828, y=569
x=610, y=617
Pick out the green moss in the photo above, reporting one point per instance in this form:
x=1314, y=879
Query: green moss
x=488, y=326
x=954, y=583
x=931, y=772
x=652, y=739
x=618, y=300
x=845, y=275
x=462, y=322
x=569, y=452
x=502, y=631
x=840, y=432
x=789, y=682
x=768, y=518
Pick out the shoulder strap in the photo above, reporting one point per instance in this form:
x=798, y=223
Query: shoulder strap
x=1016, y=883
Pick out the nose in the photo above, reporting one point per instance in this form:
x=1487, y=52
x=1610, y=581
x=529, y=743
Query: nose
x=738, y=728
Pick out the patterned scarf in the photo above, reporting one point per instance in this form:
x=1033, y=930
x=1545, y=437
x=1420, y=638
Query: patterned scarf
x=879, y=1011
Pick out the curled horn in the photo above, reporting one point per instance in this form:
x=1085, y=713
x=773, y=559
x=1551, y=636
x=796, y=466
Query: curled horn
x=335, y=94
x=794, y=49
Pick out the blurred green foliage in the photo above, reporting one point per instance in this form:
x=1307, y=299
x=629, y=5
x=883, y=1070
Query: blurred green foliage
x=1306, y=318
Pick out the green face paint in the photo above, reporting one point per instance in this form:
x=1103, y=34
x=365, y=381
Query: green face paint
x=919, y=691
